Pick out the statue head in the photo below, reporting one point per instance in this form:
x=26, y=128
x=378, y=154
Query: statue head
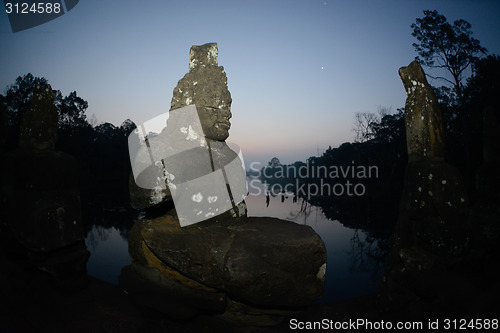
x=215, y=122
x=206, y=87
x=412, y=76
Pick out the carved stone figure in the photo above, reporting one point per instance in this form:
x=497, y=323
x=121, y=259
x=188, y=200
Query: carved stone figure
x=424, y=129
x=204, y=88
x=433, y=220
x=247, y=270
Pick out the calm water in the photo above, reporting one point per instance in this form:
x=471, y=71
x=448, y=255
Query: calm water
x=351, y=269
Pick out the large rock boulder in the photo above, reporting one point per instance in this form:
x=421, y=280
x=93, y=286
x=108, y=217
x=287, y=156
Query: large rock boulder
x=265, y=263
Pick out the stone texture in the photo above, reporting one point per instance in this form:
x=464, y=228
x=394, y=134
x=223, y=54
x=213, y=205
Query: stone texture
x=213, y=170
x=266, y=261
x=424, y=129
x=141, y=197
x=275, y=263
x=205, y=86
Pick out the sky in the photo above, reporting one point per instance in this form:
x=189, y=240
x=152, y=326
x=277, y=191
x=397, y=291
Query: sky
x=298, y=70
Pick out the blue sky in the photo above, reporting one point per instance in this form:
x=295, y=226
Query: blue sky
x=298, y=70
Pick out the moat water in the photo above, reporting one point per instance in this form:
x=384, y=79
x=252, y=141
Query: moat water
x=353, y=268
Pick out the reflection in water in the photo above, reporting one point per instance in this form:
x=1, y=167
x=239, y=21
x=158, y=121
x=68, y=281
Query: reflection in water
x=354, y=266
x=367, y=254
x=109, y=253
x=354, y=259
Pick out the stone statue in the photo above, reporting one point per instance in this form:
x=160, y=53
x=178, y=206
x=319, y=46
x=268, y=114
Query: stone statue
x=206, y=87
x=422, y=115
x=39, y=126
x=244, y=269
x=433, y=217
x=189, y=162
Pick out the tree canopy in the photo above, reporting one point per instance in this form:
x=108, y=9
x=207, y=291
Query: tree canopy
x=18, y=99
x=101, y=150
x=446, y=46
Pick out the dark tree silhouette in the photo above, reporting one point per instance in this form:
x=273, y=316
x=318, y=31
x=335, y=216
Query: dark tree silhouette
x=483, y=87
x=445, y=46
x=363, y=126
x=390, y=129
x=101, y=151
x=71, y=111
x=18, y=98
x=17, y=101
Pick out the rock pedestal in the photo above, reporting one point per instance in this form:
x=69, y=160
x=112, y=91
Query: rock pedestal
x=248, y=271
x=40, y=197
x=208, y=266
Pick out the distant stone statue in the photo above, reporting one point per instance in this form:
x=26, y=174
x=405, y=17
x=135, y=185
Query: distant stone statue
x=424, y=129
x=433, y=216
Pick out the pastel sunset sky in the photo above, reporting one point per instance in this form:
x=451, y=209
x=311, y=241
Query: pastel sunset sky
x=298, y=70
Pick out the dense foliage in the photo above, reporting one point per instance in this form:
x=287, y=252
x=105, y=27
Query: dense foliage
x=101, y=150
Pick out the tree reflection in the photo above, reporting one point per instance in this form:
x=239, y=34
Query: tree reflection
x=367, y=253
x=98, y=234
